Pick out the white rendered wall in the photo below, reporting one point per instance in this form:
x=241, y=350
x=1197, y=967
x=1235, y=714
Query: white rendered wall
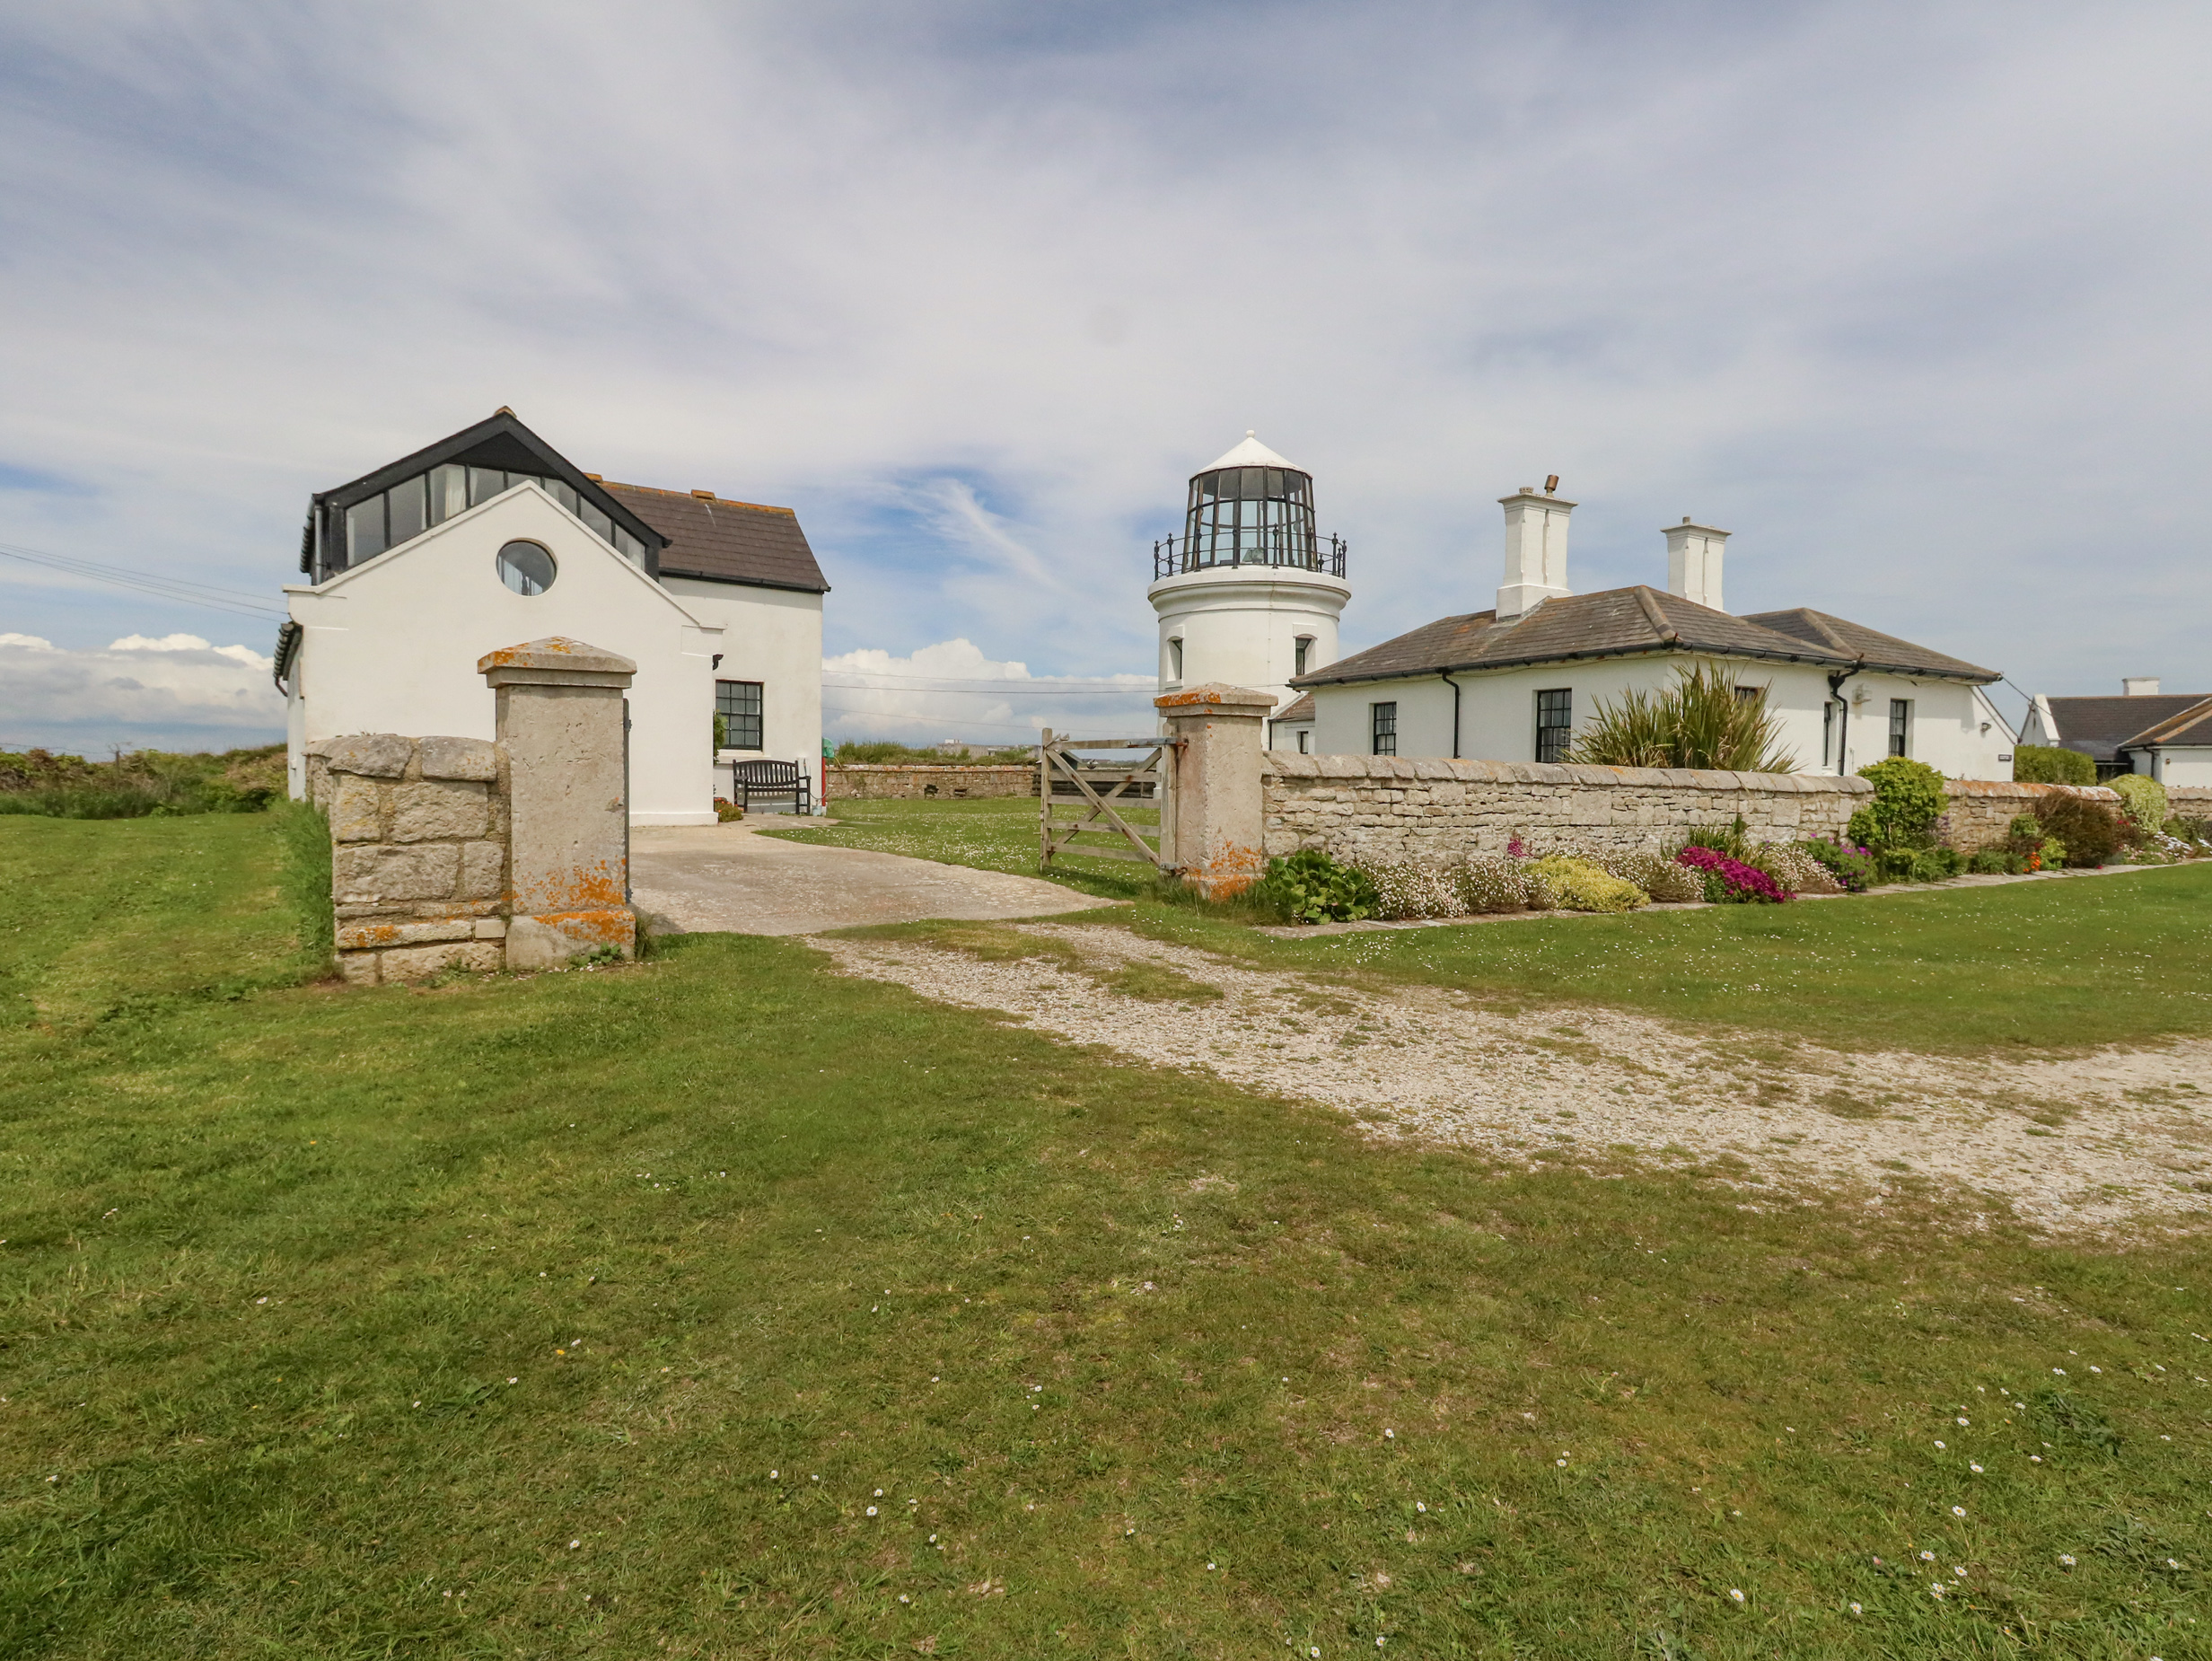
x=391, y=645
x=772, y=635
x=1240, y=625
x=2185, y=766
x=1497, y=713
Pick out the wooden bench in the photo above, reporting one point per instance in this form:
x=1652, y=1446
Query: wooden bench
x=791, y=781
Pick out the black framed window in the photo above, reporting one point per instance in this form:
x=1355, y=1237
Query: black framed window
x=1383, y=724
x=1900, y=725
x=737, y=703
x=1303, y=656
x=1554, y=723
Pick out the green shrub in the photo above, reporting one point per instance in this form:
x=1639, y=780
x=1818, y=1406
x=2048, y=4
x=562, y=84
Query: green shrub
x=2089, y=833
x=1909, y=799
x=144, y=783
x=2190, y=830
x=1730, y=839
x=1665, y=882
x=882, y=752
x=2143, y=799
x=2043, y=764
x=1699, y=721
x=1310, y=887
x=1852, y=868
x=1583, y=885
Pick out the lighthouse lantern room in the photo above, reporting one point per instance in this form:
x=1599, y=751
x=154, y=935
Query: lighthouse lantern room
x=1251, y=592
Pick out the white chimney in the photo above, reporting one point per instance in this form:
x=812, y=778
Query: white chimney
x=1693, y=563
x=1535, y=549
x=2140, y=686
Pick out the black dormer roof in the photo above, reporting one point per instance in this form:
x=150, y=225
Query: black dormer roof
x=500, y=441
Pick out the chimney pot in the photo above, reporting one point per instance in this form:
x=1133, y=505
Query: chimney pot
x=1694, y=562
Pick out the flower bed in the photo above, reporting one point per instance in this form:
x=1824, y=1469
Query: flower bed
x=1730, y=882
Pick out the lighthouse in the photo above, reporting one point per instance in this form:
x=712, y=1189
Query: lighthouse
x=1251, y=592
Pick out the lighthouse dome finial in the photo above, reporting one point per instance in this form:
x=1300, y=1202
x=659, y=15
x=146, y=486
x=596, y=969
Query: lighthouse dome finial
x=1251, y=453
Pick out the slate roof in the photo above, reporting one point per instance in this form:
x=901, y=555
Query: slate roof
x=726, y=541
x=1869, y=646
x=2100, y=727
x=1625, y=622
x=2193, y=725
x=1302, y=709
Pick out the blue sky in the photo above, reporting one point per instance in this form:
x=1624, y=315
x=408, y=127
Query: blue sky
x=1910, y=299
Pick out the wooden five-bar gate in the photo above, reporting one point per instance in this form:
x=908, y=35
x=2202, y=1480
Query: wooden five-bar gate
x=1098, y=790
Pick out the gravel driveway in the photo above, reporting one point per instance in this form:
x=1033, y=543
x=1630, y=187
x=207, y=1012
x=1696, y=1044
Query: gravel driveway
x=2082, y=1143
x=723, y=878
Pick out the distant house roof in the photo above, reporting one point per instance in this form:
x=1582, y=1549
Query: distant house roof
x=1625, y=622
x=1302, y=709
x=726, y=541
x=2192, y=727
x=2102, y=727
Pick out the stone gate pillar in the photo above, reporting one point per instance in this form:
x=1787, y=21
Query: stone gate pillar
x=561, y=754
x=1214, y=828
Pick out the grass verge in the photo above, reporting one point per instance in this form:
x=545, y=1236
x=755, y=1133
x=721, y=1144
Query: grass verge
x=2055, y=965
x=725, y=1306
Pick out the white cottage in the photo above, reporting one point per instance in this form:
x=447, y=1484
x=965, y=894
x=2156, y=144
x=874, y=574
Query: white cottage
x=2165, y=735
x=491, y=537
x=1517, y=682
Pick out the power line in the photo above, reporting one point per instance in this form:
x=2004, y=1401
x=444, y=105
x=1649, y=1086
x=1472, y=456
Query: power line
x=178, y=589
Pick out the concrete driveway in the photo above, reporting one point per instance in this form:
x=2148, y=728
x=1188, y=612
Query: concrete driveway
x=723, y=878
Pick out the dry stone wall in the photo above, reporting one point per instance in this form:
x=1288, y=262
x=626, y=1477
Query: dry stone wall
x=419, y=857
x=1386, y=807
x=895, y=781
x=1437, y=811
x=1982, y=811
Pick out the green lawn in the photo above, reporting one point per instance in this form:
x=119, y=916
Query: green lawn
x=588, y=1314
x=2061, y=965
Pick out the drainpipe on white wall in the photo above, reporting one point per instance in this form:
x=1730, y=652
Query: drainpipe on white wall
x=1843, y=720
x=1454, y=685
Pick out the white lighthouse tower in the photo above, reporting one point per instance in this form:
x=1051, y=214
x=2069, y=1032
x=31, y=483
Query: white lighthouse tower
x=1253, y=594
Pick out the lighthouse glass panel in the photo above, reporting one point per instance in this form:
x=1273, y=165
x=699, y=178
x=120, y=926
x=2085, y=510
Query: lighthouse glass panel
x=1251, y=516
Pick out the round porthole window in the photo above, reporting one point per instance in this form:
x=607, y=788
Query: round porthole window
x=526, y=567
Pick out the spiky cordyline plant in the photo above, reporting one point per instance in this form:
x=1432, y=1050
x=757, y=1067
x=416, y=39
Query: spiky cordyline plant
x=1700, y=721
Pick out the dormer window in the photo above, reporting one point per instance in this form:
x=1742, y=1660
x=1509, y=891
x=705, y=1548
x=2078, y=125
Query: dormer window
x=414, y=506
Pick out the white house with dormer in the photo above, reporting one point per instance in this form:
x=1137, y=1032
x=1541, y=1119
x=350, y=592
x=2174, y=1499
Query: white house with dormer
x=490, y=538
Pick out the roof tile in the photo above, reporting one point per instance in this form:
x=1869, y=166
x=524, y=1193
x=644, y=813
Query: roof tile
x=726, y=541
x=1618, y=622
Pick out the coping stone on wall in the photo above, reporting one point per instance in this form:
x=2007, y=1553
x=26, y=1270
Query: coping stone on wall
x=376, y=755
x=459, y=758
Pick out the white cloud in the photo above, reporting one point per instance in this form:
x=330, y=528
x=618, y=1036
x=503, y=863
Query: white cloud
x=1904, y=296
x=244, y=654
x=952, y=690
x=176, y=693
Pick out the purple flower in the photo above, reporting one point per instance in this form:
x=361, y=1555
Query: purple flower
x=1742, y=881
x=1515, y=848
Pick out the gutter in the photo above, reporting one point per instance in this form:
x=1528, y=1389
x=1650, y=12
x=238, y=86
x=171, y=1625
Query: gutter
x=288, y=637
x=1308, y=682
